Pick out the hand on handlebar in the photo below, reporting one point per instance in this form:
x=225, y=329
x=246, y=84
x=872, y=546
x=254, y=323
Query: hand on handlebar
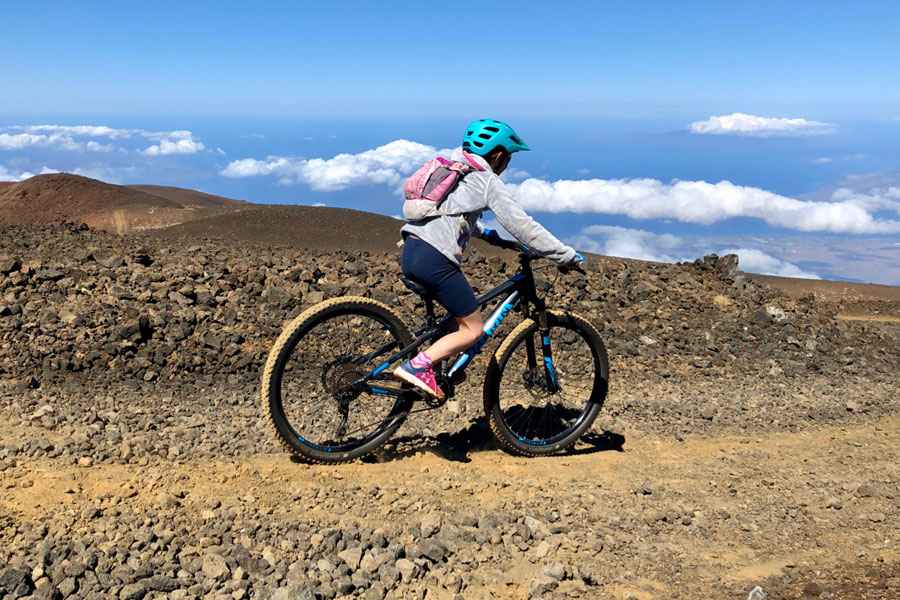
x=576, y=264
x=492, y=237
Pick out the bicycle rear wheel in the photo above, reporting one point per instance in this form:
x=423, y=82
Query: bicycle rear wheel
x=305, y=387
x=530, y=417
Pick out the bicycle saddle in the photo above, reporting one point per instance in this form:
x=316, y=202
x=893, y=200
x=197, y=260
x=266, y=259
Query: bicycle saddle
x=418, y=289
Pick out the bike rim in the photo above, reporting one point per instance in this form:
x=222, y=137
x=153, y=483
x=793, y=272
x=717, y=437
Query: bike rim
x=323, y=360
x=529, y=411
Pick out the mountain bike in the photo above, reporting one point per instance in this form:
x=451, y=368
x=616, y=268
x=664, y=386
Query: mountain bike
x=329, y=394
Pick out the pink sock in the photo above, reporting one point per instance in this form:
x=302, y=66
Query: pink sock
x=421, y=361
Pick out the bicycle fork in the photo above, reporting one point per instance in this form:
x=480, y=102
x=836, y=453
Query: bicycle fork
x=547, y=355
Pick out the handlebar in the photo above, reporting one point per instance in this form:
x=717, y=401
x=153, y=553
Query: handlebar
x=526, y=253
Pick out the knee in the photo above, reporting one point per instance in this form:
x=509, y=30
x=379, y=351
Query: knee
x=474, y=332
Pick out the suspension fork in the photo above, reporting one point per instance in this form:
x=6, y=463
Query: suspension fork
x=546, y=352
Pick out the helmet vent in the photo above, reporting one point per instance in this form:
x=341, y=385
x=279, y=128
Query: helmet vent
x=494, y=129
x=484, y=136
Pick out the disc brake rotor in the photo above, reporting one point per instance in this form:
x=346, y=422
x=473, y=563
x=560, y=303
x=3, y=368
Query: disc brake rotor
x=535, y=381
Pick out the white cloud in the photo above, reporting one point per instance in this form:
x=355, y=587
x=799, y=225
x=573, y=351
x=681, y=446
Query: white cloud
x=172, y=142
x=389, y=164
x=689, y=201
x=106, y=173
x=644, y=245
x=876, y=199
x=752, y=126
x=95, y=147
x=21, y=140
x=77, y=130
x=63, y=137
x=701, y=202
x=514, y=174
x=319, y=204
x=824, y=160
x=8, y=175
x=757, y=261
x=629, y=243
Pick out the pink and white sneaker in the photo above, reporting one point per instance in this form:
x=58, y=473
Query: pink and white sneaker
x=421, y=377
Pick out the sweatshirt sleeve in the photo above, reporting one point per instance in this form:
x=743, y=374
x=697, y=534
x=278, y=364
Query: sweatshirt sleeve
x=525, y=229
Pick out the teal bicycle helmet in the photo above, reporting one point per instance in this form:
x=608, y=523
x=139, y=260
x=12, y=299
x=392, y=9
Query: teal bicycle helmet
x=484, y=135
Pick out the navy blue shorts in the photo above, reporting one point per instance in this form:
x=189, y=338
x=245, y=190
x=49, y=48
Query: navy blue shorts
x=422, y=263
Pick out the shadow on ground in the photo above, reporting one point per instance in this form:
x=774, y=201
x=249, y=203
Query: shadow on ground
x=459, y=446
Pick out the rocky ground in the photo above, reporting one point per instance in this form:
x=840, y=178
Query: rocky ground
x=748, y=447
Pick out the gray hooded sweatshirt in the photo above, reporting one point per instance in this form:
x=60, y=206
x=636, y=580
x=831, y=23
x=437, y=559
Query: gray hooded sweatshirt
x=479, y=191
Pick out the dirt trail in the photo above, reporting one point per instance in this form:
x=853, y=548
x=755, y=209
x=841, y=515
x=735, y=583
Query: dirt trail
x=732, y=511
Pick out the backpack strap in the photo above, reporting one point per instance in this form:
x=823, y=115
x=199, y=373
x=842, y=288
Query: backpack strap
x=475, y=165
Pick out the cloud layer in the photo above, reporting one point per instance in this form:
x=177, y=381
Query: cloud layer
x=71, y=138
x=741, y=124
x=390, y=164
x=13, y=175
x=688, y=201
x=706, y=203
x=172, y=142
x=644, y=245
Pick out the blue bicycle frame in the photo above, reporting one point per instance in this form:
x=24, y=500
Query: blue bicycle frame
x=519, y=290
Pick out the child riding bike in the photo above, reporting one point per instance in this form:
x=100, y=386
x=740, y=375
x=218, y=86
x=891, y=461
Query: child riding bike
x=433, y=247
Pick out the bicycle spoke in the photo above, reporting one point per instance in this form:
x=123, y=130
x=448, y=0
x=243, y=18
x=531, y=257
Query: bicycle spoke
x=530, y=411
x=326, y=360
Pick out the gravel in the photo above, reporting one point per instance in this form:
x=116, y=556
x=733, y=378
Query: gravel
x=130, y=371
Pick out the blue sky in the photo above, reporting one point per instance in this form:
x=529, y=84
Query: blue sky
x=826, y=58
x=715, y=119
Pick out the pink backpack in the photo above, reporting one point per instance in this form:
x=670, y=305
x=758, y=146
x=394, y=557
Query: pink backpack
x=430, y=185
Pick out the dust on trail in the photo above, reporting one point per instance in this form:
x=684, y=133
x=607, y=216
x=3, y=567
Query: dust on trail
x=774, y=487
x=874, y=318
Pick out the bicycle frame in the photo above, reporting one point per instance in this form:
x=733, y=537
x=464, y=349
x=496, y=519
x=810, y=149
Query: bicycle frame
x=519, y=290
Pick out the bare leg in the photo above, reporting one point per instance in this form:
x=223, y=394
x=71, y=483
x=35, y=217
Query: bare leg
x=470, y=331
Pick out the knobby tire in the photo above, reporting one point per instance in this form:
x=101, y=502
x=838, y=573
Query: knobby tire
x=525, y=417
x=312, y=360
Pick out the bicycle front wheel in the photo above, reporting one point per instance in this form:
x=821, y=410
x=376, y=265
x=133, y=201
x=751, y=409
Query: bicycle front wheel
x=306, y=383
x=530, y=415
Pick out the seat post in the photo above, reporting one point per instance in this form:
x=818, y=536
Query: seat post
x=427, y=298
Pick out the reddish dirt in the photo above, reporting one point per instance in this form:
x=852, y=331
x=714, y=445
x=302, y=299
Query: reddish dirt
x=64, y=197
x=311, y=227
x=859, y=301
x=187, y=198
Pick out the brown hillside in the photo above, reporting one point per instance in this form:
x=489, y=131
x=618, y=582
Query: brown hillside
x=4, y=184
x=312, y=227
x=65, y=197
x=187, y=198
x=330, y=229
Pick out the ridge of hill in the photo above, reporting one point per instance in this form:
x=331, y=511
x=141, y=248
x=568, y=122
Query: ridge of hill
x=187, y=197
x=61, y=197
x=57, y=197
x=311, y=227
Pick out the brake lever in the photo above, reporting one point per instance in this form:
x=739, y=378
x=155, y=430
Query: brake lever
x=565, y=269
